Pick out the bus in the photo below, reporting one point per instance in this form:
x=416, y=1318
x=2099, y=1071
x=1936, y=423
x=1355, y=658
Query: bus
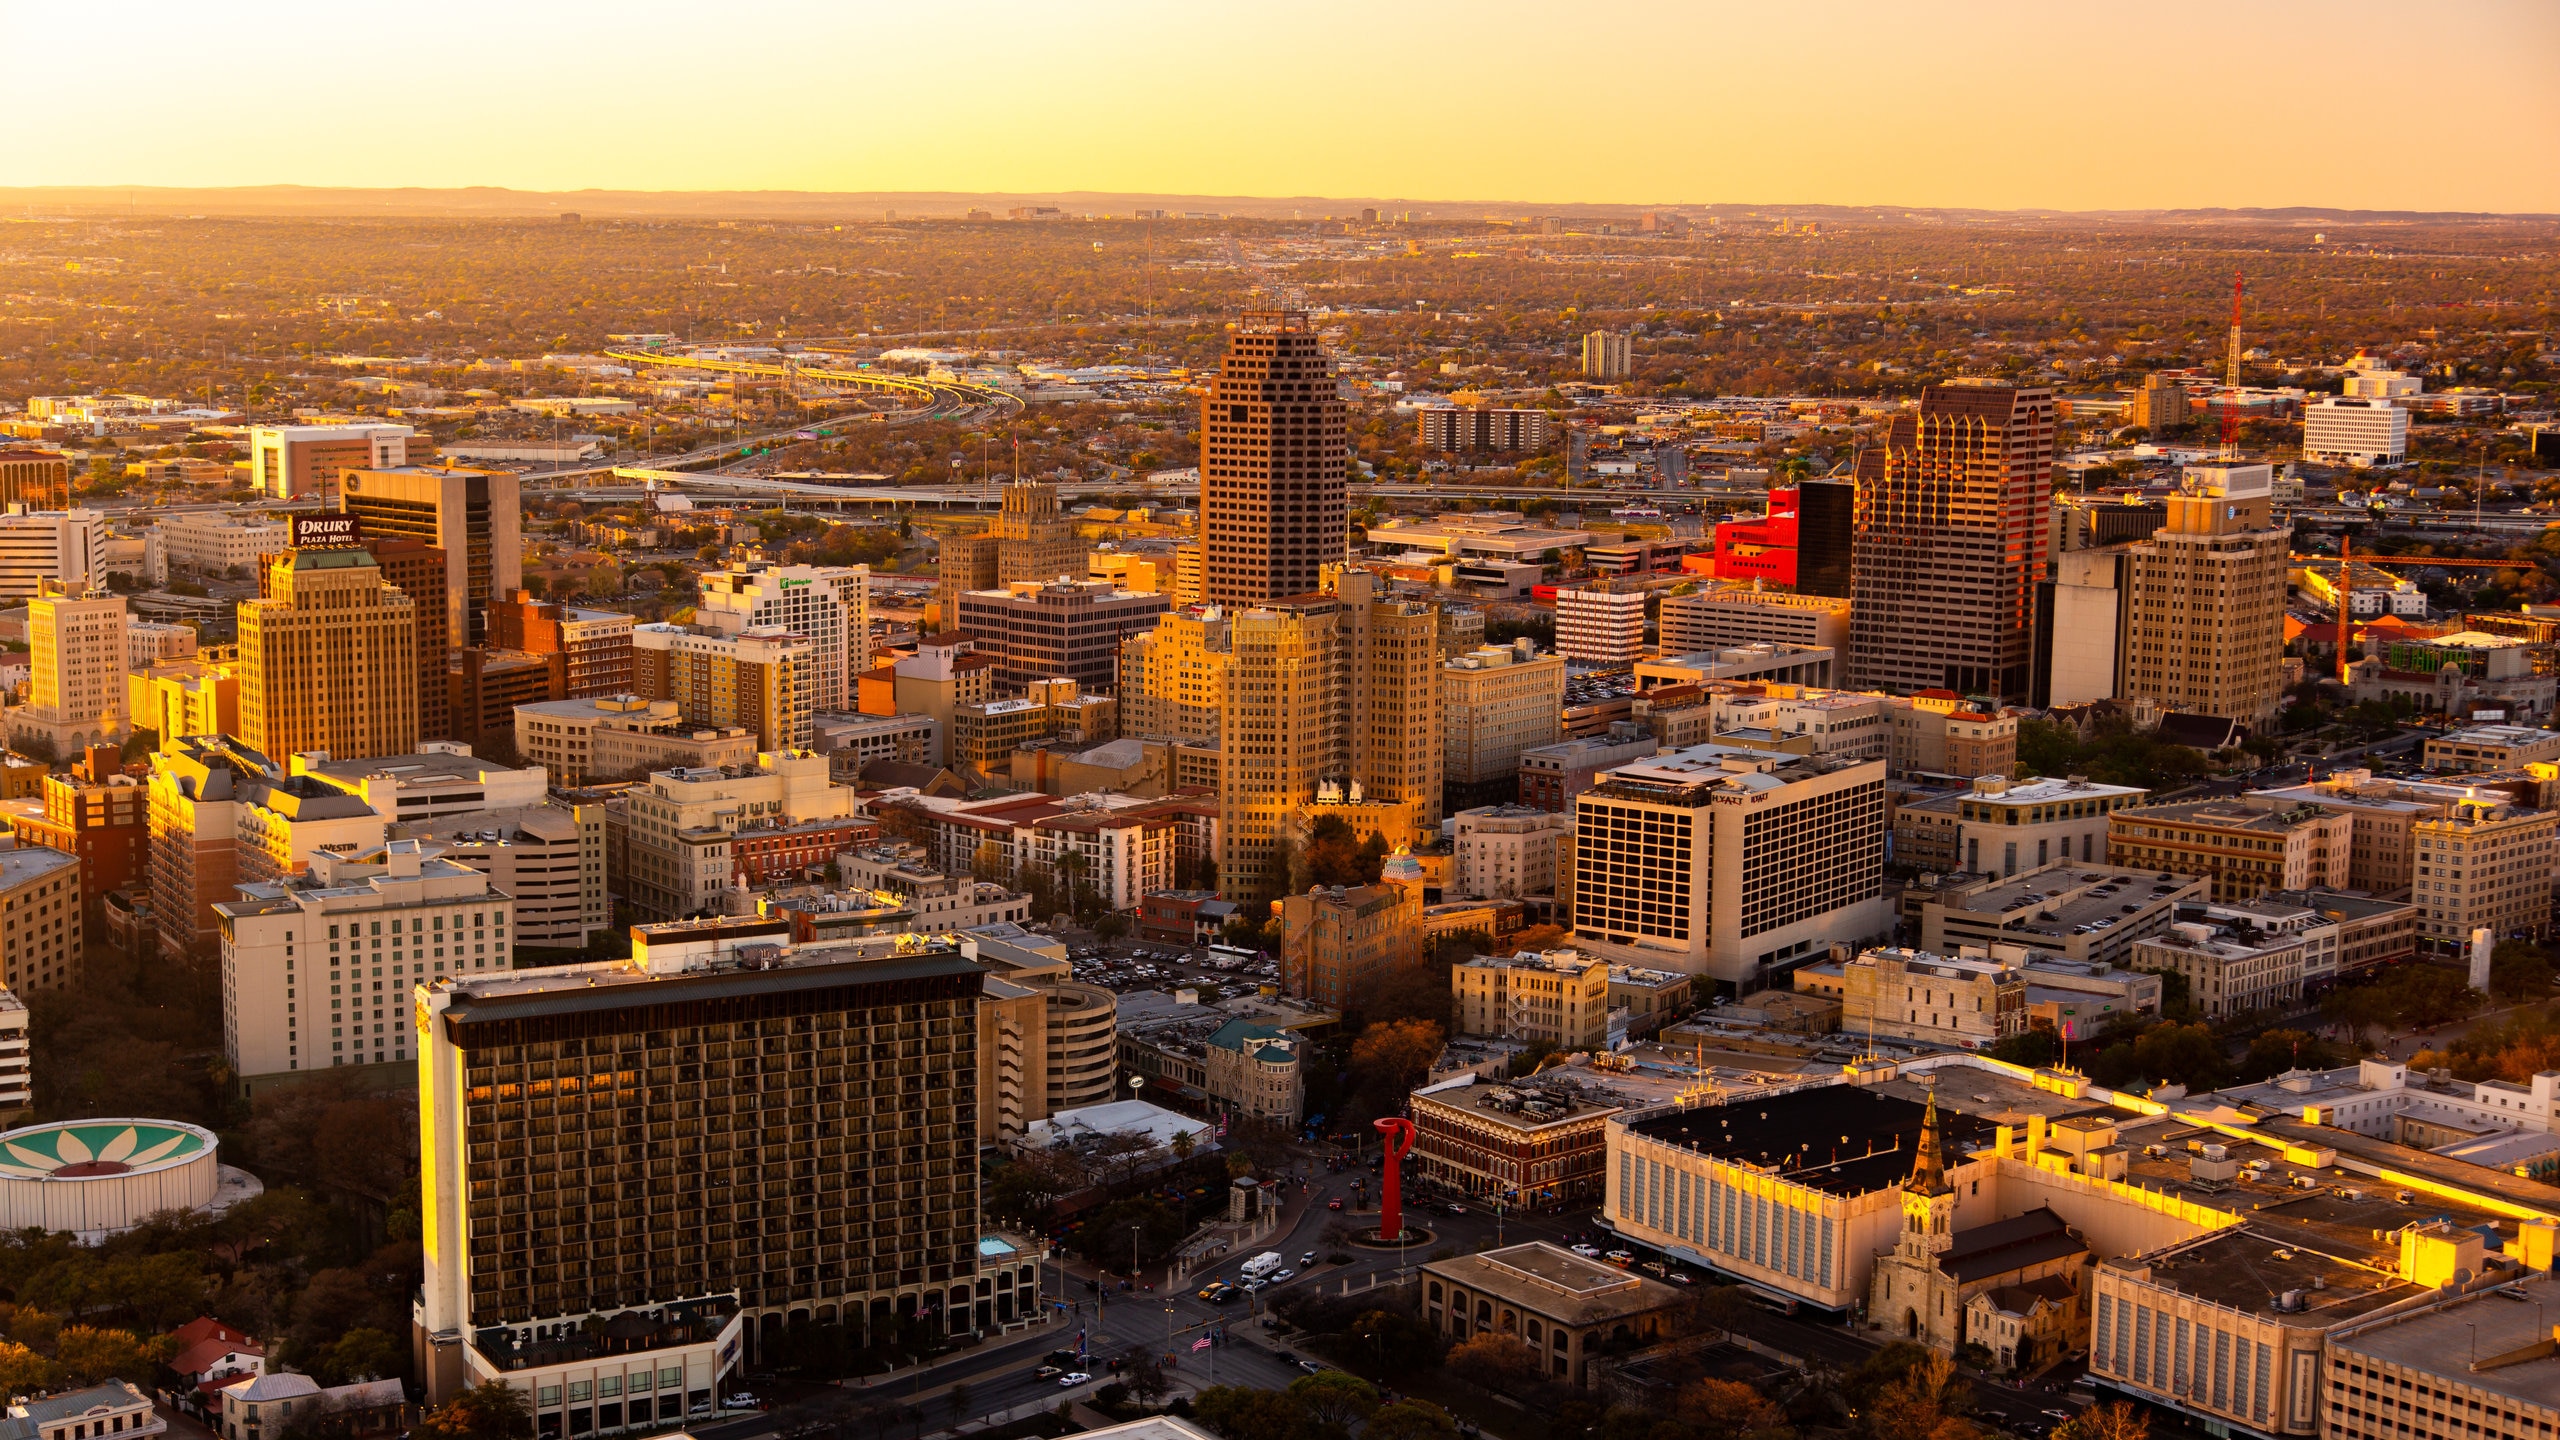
x=1228, y=957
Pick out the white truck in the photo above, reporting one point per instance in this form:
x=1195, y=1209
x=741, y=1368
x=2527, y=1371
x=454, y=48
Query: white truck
x=1261, y=1266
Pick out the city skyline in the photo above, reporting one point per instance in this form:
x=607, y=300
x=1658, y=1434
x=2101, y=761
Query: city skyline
x=1841, y=104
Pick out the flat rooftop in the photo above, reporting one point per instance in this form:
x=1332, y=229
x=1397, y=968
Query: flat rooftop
x=2060, y=905
x=1557, y=1283
x=1839, y=1139
x=2248, y=1266
x=2508, y=1321
x=2048, y=791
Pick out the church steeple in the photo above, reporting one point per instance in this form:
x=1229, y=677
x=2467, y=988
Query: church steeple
x=1929, y=1172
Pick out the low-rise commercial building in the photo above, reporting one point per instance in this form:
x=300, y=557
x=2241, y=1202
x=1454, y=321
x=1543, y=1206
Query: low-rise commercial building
x=2231, y=965
x=2483, y=865
x=2004, y=826
x=549, y=857
x=1715, y=619
x=1567, y=1309
x=678, y=835
x=1552, y=775
x=2371, y=932
x=2080, y=914
x=2492, y=747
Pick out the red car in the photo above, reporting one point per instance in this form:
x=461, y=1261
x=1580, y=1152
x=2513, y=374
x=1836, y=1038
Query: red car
x=1333, y=1204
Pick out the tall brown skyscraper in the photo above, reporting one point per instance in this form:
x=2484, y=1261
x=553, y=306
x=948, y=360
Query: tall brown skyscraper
x=1951, y=517
x=418, y=570
x=1272, y=445
x=328, y=659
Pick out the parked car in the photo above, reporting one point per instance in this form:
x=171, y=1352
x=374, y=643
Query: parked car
x=1072, y=1377
x=1587, y=1252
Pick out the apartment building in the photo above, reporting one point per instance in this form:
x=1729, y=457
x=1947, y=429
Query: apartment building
x=1941, y=733
x=1602, y=625
x=1559, y=997
x=1496, y=701
x=2246, y=849
x=1504, y=852
x=887, y=1227
x=1728, y=863
x=827, y=605
x=985, y=734
x=1173, y=677
x=676, y=833
x=328, y=659
x=622, y=737
x=215, y=544
x=443, y=919
x=2204, y=599
x=177, y=698
x=1465, y=429
x=1606, y=355
x=759, y=680
x=104, y=823
x=1552, y=775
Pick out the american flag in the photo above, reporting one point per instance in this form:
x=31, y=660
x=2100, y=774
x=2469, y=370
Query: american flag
x=1200, y=1344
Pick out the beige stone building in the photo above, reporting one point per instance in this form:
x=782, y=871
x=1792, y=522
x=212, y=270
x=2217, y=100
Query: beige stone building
x=1939, y=733
x=1568, y=1310
x=1913, y=995
x=1503, y=852
x=2484, y=864
x=78, y=660
x=677, y=832
x=2204, y=607
x=2247, y=850
x=1173, y=677
x=1497, y=700
x=1560, y=997
x=328, y=659
x=1335, y=941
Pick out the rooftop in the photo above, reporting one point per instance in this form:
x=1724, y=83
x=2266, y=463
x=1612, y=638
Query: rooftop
x=2510, y=1338
x=2059, y=902
x=1552, y=1281
x=1839, y=1139
x=2043, y=791
x=31, y=862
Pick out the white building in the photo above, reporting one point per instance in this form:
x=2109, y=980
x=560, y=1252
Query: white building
x=17, y=1075
x=214, y=543
x=1606, y=626
x=324, y=932
x=1508, y=851
x=41, y=545
x=147, y=643
x=829, y=605
x=2355, y=431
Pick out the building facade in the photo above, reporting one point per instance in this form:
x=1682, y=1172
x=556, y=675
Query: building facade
x=1272, y=458
x=1602, y=625
x=292, y=462
x=474, y=516
x=1496, y=701
x=827, y=605
x=2204, y=599
x=759, y=680
x=1040, y=630
x=1952, y=513
x=328, y=659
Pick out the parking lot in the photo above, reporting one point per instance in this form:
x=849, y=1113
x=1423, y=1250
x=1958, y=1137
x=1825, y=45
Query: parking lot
x=1121, y=966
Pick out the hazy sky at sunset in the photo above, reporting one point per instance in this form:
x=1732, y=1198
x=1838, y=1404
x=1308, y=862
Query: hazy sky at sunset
x=2444, y=106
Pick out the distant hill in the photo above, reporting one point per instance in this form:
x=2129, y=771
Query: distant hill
x=314, y=202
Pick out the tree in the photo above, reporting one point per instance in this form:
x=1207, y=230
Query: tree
x=1112, y=925
x=1389, y=1060
x=23, y=1371
x=1413, y=990
x=989, y=864
x=88, y=1356
x=363, y=1353
x=2120, y=1421
x=1142, y=1370
x=1241, y=1412
x=490, y=1410
x=1410, y=1420
x=1397, y=1342
x=1334, y=1399
x=1727, y=1409
x=2519, y=970
x=1925, y=1404
x=1494, y=1360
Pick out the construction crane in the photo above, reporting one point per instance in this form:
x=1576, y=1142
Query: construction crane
x=2345, y=561
x=2231, y=378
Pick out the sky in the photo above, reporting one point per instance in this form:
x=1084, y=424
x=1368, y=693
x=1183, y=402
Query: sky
x=1994, y=104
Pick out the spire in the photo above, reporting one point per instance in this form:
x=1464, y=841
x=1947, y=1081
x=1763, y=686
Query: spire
x=1929, y=1172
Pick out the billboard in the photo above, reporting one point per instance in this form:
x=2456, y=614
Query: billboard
x=327, y=532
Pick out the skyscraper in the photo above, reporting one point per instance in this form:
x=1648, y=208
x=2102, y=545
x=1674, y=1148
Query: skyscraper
x=288, y=462
x=757, y=679
x=328, y=659
x=474, y=516
x=1952, y=512
x=2204, y=599
x=1272, y=455
x=1606, y=355
x=1826, y=536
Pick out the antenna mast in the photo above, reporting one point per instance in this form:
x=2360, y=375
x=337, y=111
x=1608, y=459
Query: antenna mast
x=2231, y=378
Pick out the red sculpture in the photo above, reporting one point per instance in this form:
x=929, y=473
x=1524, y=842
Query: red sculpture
x=1396, y=1137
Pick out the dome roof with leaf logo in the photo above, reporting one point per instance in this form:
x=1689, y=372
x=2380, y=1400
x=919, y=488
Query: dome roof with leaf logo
x=84, y=1149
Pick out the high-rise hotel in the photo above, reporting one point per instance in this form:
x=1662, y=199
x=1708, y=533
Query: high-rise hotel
x=635, y=1173
x=1952, y=512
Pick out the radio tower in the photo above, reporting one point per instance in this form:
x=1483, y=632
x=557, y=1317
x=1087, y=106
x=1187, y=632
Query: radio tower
x=2231, y=379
